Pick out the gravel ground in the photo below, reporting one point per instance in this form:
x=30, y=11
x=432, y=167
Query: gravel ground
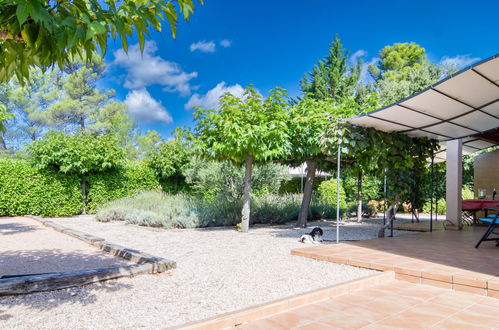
x=28, y=247
x=218, y=270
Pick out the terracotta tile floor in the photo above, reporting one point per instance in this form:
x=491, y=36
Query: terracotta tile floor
x=393, y=305
x=446, y=259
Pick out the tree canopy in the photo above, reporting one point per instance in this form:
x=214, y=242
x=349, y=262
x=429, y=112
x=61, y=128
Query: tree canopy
x=250, y=125
x=80, y=153
x=404, y=69
x=45, y=32
x=65, y=100
x=332, y=77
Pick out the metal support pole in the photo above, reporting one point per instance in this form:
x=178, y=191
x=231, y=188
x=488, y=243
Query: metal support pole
x=338, y=196
x=391, y=218
x=432, y=189
x=384, y=200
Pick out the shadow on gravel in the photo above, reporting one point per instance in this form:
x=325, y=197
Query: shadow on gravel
x=83, y=295
x=53, y=260
x=15, y=228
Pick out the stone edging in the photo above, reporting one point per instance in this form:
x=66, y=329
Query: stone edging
x=159, y=265
x=239, y=317
x=143, y=264
x=63, y=280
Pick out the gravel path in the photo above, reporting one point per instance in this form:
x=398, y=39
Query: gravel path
x=218, y=270
x=28, y=247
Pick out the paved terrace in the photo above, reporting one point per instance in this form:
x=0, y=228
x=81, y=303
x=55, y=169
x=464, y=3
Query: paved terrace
x=393, y=305
x=446, y=259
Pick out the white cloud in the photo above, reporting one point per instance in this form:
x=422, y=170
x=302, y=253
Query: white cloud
x=225, y=43
x=149, y=69
x=204, y=46
x=459, y=61
x=145, y=108
x=210, y=100
x=357, y=55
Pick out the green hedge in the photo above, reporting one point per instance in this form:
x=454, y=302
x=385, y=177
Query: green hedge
x=26, y=190
x=125, y=181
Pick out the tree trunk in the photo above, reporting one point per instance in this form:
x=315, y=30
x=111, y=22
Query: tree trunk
x=307, y=194
x=84, y=195
x=2, y=143
x=392, y=211
x=247, y=195
x=359, y=197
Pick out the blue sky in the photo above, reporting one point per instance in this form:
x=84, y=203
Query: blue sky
x=230, y=44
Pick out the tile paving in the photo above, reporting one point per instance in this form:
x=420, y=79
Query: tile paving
x=432, y=280
x=446, y=259
x=392, y=305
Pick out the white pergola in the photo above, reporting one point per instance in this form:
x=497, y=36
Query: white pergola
x=460, y=111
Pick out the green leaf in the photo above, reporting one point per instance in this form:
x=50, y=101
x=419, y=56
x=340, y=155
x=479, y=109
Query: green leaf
x=22, y=12
x=95, y=28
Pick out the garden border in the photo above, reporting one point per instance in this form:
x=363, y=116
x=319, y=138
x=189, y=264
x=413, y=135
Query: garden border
x=143, y=264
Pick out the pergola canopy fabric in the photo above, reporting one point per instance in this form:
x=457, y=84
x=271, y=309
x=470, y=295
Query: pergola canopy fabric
x=462, y=106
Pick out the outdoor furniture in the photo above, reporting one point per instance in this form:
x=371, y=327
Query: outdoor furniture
x=471, y=206
x=493, y=219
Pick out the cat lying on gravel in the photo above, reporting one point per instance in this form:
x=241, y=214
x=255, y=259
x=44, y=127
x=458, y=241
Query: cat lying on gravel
x=314, y=237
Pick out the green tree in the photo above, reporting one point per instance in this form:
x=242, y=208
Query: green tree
x=309, y=118
x=4, y=115
x=30, y=103
x=68, y=101
x=45, y=32
x=404, y=69
x=113, y=119
x=168, y=163
x=80, y=154
x=149, y=142
x=332, y=77
x=79, y=104
x=335, y=85
x=245, y=130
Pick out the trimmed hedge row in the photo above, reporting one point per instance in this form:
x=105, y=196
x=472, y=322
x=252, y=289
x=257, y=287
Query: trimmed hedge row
x=27, y=190
x=125, y=181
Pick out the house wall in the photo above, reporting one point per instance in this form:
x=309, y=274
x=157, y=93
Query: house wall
x=486, y=174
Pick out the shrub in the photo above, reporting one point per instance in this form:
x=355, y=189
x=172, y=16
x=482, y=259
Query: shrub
x=124, y=181
x=375, y=206
x=224, y=180
x=27, y=190
x=466, y=193
x=158, y=209
x=155, y=209
x=372, y=187
x=275, y=209
x=441, y=207
x=293, y=185
x=328, y=193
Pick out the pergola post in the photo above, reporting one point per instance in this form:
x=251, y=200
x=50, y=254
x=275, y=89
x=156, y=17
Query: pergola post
x=454, y=182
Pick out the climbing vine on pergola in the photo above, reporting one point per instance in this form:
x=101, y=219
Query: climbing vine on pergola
x=405, y=158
